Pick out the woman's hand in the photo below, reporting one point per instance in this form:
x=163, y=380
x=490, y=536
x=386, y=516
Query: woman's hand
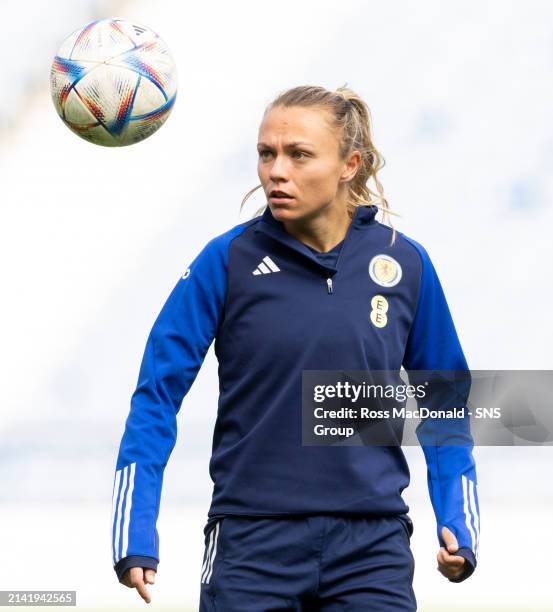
x=137, y=578
x=450, y=565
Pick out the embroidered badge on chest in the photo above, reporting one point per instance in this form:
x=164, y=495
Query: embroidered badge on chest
x=379, y=308
x=385, y=270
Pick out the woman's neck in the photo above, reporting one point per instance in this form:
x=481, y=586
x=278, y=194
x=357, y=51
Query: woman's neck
x=323, y=231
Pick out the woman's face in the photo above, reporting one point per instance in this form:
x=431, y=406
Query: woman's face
x=299, y=155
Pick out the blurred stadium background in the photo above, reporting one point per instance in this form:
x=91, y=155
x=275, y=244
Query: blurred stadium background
x=92, y=240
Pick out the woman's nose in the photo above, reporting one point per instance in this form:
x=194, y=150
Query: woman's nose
x=278, y=169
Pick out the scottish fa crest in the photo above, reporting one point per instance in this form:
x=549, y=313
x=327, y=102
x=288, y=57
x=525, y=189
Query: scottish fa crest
x=385, y=270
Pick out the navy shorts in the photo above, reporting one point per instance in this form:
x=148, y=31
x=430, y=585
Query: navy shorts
x=320, y=562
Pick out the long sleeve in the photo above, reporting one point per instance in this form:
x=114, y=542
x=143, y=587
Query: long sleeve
x=175, y=350
x=433, y=344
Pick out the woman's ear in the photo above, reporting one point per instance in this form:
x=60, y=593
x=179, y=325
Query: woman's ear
x=352, y=166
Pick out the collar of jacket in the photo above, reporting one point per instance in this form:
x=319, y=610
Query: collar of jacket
x=362, y=218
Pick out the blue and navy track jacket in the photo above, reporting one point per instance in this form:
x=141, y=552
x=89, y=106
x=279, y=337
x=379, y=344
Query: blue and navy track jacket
x=275, y=308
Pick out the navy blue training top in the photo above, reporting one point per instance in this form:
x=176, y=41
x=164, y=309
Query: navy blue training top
x=328, y=257
x=275, y=307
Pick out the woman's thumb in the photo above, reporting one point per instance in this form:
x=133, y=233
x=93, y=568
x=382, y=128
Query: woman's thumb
x=150, y=576
x=450, y=540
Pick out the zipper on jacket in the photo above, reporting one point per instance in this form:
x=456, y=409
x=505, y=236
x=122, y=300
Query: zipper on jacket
x=330, y=288
x=287, y=240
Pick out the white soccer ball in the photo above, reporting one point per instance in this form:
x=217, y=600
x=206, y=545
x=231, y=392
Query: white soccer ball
x=113, y=82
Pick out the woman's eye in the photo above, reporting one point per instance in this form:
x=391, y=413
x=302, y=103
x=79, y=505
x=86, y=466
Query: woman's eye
x=295, y=153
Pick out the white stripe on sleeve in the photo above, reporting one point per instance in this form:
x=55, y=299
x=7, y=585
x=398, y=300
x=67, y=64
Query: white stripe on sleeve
x=128, y=506
x=114, y=498
x=118, y=516
x=467, y=513
x=472, y=505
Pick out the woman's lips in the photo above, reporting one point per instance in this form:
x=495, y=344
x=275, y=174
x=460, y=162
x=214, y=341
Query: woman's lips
x=280, y=199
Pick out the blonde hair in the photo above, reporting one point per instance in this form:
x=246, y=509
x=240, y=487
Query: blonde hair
x=351, y=118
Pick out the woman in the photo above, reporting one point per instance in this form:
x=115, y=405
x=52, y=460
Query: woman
x=314, y=283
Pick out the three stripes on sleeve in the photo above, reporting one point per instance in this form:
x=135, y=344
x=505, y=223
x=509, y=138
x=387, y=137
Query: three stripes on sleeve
x=472, y=520
x=120, y=520
x=121, y=510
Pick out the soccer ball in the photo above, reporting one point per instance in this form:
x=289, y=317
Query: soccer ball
x=113, y=82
